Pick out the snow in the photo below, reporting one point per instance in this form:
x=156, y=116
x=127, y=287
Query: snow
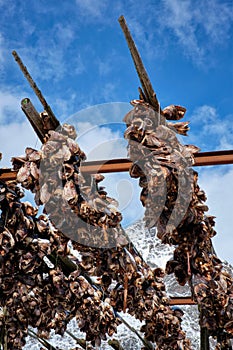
x=156, y=255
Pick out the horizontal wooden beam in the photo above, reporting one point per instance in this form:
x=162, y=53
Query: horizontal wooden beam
x=7, y=174
x=213, y=158
x=106, y=166
x=123, y=164
x=182, y=301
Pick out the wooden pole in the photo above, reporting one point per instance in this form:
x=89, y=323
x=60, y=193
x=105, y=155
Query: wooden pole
x=115, y=344
x=37, y=91
x=204, y=334
x=148, y=91
x=33, y=117
x=122, y=165
x=205, y=344
x=181, y=301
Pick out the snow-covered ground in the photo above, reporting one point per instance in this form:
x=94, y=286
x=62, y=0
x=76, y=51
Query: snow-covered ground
x=155, y=254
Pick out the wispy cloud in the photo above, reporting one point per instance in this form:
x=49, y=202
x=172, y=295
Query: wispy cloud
x=127, y=192
x=217, y=183
x=2, y=47
x=64, y=33
x=79, y=66
x=45, y=52
x=199, y=27
x=14, y=138
x=210, y=130
x=105, y=66
x=107, y=92
x=9, y=107
x=101, y=142
x=90, y=8
x=52, y=60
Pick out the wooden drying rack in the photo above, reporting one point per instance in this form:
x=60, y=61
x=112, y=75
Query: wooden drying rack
x=123, y=165
x=114, y=165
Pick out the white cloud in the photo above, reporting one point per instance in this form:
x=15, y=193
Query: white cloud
x=204, y=114
x=45, y=58
x=90, y=8
x=127, y=192
x=218, y=185
x=64, y=33
x=101, y=142
x=226, y=142
x=14, y=138
x=49, y=64
x=183, y=24
x=210, y=130
x=64, y=106
x=9, y=106
x=217, y=27
x=2, y=47
x=99, y=114
x=79, y=64
x=16, y=132
x=198, y=27
x=104, y=66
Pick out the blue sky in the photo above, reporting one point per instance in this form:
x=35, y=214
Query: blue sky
x=76, y=52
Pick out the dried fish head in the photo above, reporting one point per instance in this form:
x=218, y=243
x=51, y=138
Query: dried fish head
x=174, y=112
x=32, y=155
x=181, y=128
x=69, y=130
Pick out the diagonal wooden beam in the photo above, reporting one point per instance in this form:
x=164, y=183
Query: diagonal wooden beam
x=33, y=117
x=47, y=108
x=149, y=94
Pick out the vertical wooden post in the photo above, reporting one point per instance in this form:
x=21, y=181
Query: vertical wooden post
x=204, y=333
x=205, y=344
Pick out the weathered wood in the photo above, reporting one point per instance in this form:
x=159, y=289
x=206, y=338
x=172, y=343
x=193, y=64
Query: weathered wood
x=204, y=341
x=204, y=334
x=182, y=301
x=115, y=344
x=33, y=117
x=7, y=174
x=214, y=158
x=37, y=91
x=146, y=343
x=80, y=342
x=148, y=91
x=123, y=164
x=41, y=340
